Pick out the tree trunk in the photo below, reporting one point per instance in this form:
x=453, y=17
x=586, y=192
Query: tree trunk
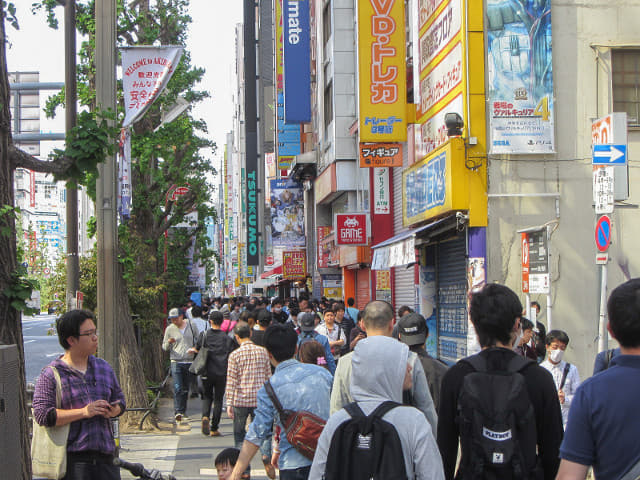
x=132, y=379
x=10, y=318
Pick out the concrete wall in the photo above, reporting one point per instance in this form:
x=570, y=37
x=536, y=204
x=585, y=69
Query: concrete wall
x=582, y=93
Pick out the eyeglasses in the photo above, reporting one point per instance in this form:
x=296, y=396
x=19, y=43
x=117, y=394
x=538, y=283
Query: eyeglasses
x=90, y=333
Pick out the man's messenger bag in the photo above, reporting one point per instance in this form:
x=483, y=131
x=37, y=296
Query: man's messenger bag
x=302, y=428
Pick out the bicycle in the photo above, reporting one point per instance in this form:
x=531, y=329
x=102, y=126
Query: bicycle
x=139, y=471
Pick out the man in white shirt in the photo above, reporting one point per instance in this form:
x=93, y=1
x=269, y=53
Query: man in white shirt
x=565, y=375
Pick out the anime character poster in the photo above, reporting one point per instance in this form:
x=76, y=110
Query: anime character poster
x=287, y=213
x=521, y=108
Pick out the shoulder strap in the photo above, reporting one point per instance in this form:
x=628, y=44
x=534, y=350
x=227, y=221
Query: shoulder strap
x=477, y=361
x=565, y=372
x=274, y=398
x=354, y=410
x=193, y=335
x=516, y=364
x=56, y=374
x=383, y=408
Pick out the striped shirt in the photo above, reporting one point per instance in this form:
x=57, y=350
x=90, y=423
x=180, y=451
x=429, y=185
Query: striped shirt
x=248, y=369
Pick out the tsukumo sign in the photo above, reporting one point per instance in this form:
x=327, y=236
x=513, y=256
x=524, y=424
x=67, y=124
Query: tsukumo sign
x=351, y=228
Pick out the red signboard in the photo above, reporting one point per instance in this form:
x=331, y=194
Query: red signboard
x=351, y=228
x=323, y=249
x=294, y=265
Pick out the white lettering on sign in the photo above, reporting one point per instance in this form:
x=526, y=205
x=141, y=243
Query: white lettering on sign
x=351, y=234
x=294, y=30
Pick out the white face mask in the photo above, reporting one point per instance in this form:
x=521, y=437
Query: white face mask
x=277, y=310
x=556, y=355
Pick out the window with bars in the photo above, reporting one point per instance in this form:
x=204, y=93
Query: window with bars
x=625, y=67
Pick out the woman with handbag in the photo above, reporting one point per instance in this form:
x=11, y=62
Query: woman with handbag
x=75, y=397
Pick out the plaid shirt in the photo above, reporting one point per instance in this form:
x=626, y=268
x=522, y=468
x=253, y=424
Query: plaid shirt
x=248, y=369
x=99, y=382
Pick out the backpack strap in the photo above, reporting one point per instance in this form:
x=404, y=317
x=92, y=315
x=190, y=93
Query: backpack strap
x=516, y=364
x=354, y=410
x=565, y=372
x=382, y=409
x=607, y=358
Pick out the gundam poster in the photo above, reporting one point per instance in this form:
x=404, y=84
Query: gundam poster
x=520, y=76
x=287, y=214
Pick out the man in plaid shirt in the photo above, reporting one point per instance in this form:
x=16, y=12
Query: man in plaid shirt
x=247, y=371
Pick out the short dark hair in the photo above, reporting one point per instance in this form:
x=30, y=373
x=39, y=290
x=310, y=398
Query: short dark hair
x=228, y=455
x=242, y=330
x=623, y=308
x=350, y=301
x=493, y=311
x=404, y=309
x=276, y=301
x=536, y=304
x=338, y=306
x=68, y=325
x=280, y=341
x=216, y=317
x=263, y=317
x=196, y=311
x=526, y=324
x=558, y=335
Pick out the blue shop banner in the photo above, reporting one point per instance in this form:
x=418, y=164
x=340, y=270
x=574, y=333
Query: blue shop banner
x=297, y=61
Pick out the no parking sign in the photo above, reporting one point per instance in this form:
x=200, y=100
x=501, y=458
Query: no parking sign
x=603, y=233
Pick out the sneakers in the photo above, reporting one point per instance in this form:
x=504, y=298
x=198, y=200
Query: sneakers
x=205, y=426
x=215, y=433
x=178, y=417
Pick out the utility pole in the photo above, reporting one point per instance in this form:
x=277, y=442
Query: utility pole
x=71, y=94
x=108, y=285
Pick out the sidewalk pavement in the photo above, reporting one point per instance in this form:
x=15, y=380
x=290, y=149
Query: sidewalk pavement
x=181, y=450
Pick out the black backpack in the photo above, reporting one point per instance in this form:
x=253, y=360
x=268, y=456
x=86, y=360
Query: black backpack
x=366, y=447
x=496, y=422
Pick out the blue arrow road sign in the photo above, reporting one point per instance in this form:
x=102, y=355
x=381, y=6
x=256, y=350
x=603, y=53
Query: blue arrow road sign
x=609, y=155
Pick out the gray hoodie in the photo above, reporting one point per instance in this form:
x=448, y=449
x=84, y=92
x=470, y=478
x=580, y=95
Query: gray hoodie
x=379, y=365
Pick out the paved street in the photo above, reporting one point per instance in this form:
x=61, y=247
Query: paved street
x=182, y=451
x=39, y=348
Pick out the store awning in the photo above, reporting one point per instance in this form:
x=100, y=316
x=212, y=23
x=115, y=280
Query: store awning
x=399, y=250
x=269, y=273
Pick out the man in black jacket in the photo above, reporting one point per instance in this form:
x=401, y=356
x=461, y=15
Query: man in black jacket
x=219, y=346
x=495, y=312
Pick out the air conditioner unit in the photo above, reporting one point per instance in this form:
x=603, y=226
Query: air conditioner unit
x=9, y=412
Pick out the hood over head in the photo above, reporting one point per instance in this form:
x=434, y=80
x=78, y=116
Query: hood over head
x=378, y=367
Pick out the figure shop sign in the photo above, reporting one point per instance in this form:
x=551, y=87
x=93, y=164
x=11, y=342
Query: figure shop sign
x=145, y=73
x=351, y=228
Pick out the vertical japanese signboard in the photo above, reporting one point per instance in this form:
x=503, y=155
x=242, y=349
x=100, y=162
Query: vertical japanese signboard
x=294, y=265
x=521, y=109
x=535, y=262
x=324, y=250
x=382, y=71
x=297, y=62
x=381, y=197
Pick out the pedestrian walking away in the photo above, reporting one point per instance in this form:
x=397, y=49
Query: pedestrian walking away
x=603, y=421
x=219, y=345
x=90, y=397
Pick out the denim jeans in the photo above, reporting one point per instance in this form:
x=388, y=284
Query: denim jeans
x=240, y=415
x=301, y=473
x=79, y=469
x=180, y=374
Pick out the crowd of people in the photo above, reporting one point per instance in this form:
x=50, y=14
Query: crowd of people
x=384, y=406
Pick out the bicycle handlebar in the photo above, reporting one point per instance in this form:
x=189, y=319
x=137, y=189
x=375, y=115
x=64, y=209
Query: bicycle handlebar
x=139, y=471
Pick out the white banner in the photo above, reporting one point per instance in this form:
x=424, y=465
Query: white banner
x=145, y=73
x=381, y=198
x=124, y=173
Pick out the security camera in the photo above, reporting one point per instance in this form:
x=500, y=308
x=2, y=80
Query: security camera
x=454, y=124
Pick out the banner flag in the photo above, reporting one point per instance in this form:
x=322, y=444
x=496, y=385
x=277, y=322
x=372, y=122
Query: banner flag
x=146, y=71
x=124, y=173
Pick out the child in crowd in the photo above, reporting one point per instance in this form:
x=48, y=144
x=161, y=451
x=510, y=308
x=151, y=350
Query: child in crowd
x=225, y=461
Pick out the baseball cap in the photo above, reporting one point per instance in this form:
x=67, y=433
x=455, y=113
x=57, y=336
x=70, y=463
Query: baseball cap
x=307, y=322
x=412, y=328
x=174, y=313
